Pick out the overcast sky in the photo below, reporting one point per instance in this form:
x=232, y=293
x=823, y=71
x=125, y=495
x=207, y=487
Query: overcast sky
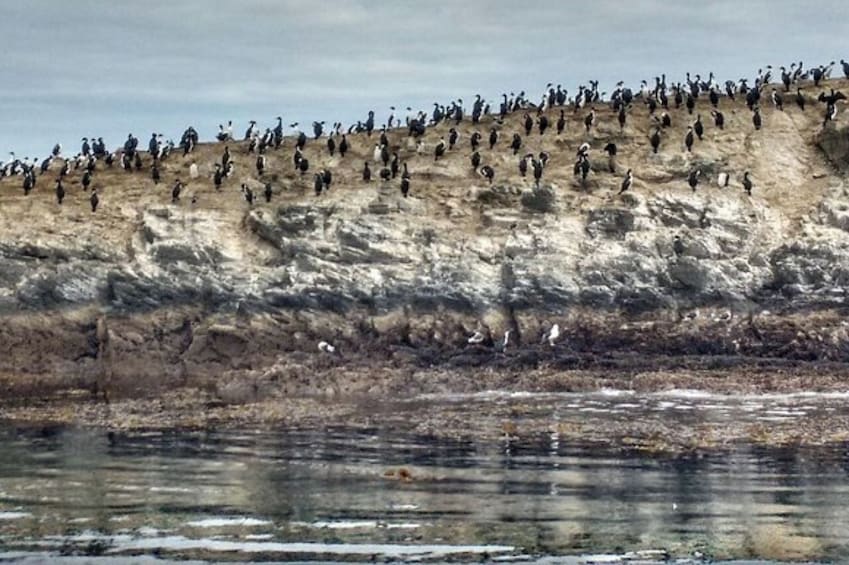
x=106, y=68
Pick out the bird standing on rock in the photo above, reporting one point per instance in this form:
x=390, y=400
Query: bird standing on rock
x=589, y=120
x=626, y=184
x=777, y=100
x=747, y=183
x=439, y=151
x=561, y=122
x=175, y=192
x=476, y=160
x=516, y=144
x=718, y=119
x=693, y=179
x=655, y=140
x=487, y=172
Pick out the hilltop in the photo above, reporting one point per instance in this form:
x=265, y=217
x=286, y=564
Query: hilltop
x=144, y=295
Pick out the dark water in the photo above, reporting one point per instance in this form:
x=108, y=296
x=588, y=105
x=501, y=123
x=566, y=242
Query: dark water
x=335, y=494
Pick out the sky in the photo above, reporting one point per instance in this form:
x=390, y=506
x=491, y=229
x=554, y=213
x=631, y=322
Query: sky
x=108, y=68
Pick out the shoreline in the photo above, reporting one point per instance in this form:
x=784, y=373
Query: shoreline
x=482, y=404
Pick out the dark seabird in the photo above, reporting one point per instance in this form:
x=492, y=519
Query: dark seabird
x=303, y=165
x=688, y=139
x=529, y=124
x=665, y=120
x=693, y=179
x=343, y=146
x=621, y=117
x=29, y=183
x=249, y=194
x=523, y=166
x=366, y=173
x=317, y=129
x=747, y=183
x=225, y=158
x=218, y=177
x=516, y=144
x=650, y=102
x=713, y=96
x=542, y=124
x=405, y=187
x=493, y=138
x=94, y=200
x=589, y=120
x=830, y=113
x=60, y=191
x=487, y=172
x=175, y=192
x=537, y=166
x=331, y=145
x=611, y=150
x=318, y=184
x=561, y=122
x=394, y=164
x=584, y=166
x=756, y=118
x=439, y=151
x=326, y=178
x=370, y=123
x=476, y=160
x=475, y=140
x=260, y=164
x=718, y=119
x=678, y=245
x=268, y=192
x=86, y=180
x=452, y=138
x=800, y=99
x=777, y=99
x=626, y=184
x=698, y=127
x=543, y=158
x=385, y=174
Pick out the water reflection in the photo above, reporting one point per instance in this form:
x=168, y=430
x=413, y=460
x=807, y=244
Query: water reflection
x=389, y=488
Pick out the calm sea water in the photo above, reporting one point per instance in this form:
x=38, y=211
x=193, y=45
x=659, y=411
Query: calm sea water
x=390, y=493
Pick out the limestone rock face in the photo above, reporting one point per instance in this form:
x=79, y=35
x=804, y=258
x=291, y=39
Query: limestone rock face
x=339, y=256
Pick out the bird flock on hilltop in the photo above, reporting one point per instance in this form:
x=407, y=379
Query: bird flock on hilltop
x=552, y=111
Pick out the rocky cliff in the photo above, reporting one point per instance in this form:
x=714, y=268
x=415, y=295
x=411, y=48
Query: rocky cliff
x=144, y=294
